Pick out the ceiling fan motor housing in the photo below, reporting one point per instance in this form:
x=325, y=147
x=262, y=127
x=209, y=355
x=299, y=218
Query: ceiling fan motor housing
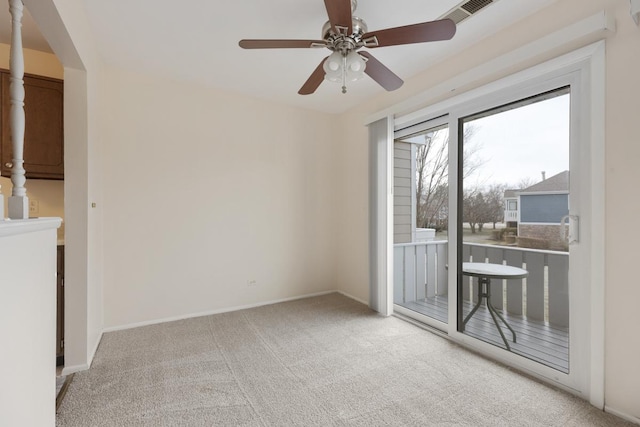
x=342, y=41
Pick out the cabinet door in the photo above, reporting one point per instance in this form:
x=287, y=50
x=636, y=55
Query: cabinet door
x=60, y=308
x=44, y=141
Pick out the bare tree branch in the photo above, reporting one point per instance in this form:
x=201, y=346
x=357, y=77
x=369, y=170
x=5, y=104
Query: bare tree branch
x=432, y=174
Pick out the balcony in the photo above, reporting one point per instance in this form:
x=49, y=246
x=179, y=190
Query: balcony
x=510, y=215
x=536, y=307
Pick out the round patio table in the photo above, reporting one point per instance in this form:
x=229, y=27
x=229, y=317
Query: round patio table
x=485, y=272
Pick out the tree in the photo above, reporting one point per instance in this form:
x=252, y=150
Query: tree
x=525, y=183
x=481, y=206
x=495, y=203
x=432, y=174
x=475, y=209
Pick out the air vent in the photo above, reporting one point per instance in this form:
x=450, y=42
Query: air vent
x=466, y=9
x=457, y=15
x=472, y=6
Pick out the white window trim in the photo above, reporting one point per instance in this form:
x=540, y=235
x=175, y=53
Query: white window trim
x=541, y=193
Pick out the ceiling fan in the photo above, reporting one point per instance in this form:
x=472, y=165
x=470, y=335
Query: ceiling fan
x=344, y=34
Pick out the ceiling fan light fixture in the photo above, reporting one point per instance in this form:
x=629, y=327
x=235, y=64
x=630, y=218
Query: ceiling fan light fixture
x=340, y=68
x=355, y=66
x=333, y=67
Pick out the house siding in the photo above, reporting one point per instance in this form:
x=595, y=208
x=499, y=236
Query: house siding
x=543, y=208
x=402, y=201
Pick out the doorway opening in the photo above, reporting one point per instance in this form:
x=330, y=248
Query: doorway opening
x=44, y=138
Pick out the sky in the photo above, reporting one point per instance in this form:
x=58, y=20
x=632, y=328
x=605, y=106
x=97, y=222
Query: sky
x=521, y=143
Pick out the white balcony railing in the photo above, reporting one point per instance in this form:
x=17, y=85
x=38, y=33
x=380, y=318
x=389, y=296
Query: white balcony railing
x=510, y=215
x=420, y=272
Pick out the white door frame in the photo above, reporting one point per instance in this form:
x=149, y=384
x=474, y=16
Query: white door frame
x=577, y=379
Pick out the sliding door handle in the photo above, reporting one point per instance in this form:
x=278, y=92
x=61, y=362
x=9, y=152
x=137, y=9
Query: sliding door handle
x=573, y=234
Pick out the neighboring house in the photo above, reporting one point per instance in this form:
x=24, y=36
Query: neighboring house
x=405, y=201
x=538, y=211
x=511, y=208
x=542, y=207
x=404, y=192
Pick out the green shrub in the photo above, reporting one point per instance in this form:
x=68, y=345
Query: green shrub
x=500, y=233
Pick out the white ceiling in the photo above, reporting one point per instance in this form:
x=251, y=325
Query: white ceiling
x=197, y=40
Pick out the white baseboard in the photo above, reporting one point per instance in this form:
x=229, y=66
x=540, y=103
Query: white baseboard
x=353, y=298
x=66, y=370
x=73, y=369
x=95, y=348
x=622, y=415
x=211, y=312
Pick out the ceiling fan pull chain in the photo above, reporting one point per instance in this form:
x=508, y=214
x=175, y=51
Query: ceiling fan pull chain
x=344, y=73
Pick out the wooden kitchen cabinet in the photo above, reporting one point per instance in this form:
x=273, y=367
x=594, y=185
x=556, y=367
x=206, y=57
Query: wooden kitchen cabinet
x=44, y=139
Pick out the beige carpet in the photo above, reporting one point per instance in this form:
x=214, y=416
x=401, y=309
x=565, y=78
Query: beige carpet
x=323, y=361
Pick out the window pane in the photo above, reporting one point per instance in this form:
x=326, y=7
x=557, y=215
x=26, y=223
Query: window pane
x=517, y=157
x=420, y=279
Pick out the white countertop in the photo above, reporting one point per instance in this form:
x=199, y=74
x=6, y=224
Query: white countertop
x=11, y=227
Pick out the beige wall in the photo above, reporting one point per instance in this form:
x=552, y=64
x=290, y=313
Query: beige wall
x=352, y=256
x=622, y=378
x=205, y=191
x=48, y=193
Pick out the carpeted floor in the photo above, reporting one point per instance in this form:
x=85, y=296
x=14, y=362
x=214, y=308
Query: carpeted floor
x=322, y=361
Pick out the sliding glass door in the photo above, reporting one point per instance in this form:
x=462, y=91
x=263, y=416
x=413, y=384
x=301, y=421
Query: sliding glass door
x=491, y=202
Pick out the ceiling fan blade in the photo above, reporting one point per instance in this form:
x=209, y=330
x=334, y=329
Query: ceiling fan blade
x=339, y=12
x=381, y=74
x=274, y=44
x=443, y=29
x=314, y=80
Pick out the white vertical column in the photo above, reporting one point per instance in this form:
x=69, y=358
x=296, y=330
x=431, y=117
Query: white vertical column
x=18, y=202
x=381, y=216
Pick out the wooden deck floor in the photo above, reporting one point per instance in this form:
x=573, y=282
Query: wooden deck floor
x=535, y=340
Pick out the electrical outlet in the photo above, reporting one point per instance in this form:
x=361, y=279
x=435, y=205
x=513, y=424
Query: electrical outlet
x=252, y=282
x=34, y=207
